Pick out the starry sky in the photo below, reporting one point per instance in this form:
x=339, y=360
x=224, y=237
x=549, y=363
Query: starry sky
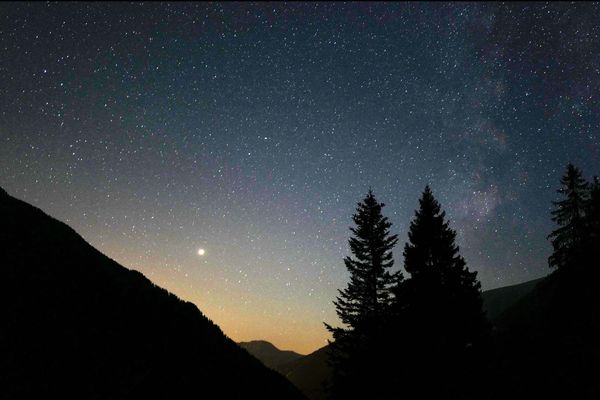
x=251, y=131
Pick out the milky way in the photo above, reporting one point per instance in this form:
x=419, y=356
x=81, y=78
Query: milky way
x=251, y=130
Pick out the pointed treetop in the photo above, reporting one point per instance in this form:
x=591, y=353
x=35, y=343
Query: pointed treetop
x=569, y=215
x=369, y=291
x=573, y=177
x=428, y=204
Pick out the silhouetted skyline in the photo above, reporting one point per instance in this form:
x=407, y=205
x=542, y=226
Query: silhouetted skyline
x=252, y=130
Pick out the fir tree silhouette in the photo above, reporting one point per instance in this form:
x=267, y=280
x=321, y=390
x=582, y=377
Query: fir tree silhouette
x=567, y=240
x=439, y=309
x=364, y=304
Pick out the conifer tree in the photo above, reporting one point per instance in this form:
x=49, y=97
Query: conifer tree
x=567, y=240
x=364, y=304
x=442, y=306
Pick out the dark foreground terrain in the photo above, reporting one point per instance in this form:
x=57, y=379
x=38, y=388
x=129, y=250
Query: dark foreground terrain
x=545, y=337
x=311, y=373
x=75, y=324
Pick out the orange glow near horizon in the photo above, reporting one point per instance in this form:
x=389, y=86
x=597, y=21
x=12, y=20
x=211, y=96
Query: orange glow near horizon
x=245, y=322
x=243, y=312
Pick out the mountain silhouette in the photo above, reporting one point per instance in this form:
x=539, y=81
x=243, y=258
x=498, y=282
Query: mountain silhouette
x=311, y=373
x=547, y=343
x=496, y=301
x=270, y=355
x=76, y=324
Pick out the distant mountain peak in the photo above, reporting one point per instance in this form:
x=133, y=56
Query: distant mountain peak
x=269, y=354
x=260, y=342
x=263, y=343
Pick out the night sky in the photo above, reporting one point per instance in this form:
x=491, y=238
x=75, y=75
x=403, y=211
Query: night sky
x=251, y=131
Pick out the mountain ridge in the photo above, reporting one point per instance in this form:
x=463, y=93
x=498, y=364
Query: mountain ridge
x=76, y=323
x=269, y=354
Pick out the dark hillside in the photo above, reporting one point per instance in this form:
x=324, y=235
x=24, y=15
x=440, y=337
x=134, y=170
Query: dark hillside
x=74, y=323
x=496, y=301
x=310, y=373
x=270, y=355
x=548, y=342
